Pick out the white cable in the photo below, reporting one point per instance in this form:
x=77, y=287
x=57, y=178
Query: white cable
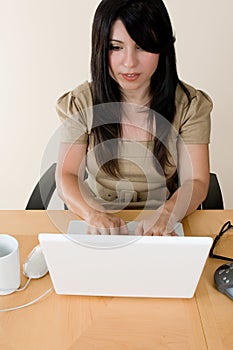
x=25, y=286
x=19, y=289
x=30, y=303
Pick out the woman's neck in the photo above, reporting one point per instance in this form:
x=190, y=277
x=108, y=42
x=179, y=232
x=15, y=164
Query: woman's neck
x=142, y=99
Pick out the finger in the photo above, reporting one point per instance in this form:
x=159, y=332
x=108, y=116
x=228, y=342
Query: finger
x=139, y=229
x=120, y=229
x=104, y=231
x=114, y=230
x=92, y=230
x=123, y=228
x=154, y=232
x=173, y=233
x=150, y=233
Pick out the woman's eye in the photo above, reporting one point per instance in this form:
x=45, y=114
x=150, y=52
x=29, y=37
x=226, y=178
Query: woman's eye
x=113, y=47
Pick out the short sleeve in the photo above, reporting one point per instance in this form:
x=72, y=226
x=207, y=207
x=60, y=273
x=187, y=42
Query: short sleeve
x=75, y=111
x=195, y=119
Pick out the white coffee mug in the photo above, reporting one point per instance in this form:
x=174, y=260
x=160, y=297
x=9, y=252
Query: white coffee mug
x=9, y=264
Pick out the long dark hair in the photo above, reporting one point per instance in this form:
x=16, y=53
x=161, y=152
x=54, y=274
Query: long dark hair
x=148, y=24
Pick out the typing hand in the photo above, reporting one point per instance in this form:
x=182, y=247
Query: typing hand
x=106, y=224
x=156, y=226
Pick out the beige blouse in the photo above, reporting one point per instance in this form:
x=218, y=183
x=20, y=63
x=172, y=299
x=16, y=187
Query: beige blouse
x=141, y=184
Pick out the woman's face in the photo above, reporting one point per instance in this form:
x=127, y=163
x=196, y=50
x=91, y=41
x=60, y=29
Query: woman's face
x=129, y=65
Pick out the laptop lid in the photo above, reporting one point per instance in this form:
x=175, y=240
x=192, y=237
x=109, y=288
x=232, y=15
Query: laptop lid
x=126, y=266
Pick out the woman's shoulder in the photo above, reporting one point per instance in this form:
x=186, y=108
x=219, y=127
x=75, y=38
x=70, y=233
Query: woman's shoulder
x=83, y=89
x=74, y=101
x=195, y=95
x=192, y=118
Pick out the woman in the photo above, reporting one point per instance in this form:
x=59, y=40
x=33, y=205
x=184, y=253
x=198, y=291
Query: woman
x=137, y=134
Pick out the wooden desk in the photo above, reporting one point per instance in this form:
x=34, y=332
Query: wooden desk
x=85, y=323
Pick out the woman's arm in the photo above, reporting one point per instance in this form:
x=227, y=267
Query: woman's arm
x=193, y=169
x=71, y=188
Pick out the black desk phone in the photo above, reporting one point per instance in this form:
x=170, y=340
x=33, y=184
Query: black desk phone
x=223, y=279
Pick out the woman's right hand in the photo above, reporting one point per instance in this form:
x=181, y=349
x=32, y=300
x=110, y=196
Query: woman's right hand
x=101, y=223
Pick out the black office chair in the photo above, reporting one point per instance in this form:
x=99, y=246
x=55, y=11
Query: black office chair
x=214, y=199
x=44, y=189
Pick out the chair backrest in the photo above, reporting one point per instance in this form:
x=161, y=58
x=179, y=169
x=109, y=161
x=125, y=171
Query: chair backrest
x=44, y=189
x=214, y=199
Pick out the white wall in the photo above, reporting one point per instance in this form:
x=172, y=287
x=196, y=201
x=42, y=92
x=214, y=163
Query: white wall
x=45, y=51
x=204, y=30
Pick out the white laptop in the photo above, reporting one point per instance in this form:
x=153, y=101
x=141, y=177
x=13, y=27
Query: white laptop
x=125, y=266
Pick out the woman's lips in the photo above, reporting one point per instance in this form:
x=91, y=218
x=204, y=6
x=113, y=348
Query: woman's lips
x=131, y=77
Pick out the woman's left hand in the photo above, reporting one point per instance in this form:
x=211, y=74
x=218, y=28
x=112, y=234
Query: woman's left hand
x=160, y=224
